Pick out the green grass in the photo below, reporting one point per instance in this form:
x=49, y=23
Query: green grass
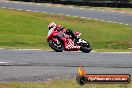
x=20, y=29
x=60, y=84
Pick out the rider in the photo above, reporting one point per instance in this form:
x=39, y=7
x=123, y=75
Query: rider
x=62, y=35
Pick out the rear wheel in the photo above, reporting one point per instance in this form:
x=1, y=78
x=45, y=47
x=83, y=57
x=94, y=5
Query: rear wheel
x=56, y=46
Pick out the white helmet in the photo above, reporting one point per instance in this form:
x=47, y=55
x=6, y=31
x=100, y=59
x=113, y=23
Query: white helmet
x=51, y=25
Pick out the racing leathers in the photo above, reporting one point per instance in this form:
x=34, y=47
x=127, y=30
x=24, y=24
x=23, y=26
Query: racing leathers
x=63, y=35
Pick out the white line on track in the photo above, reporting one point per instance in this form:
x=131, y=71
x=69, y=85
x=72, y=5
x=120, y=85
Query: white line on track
x=102, y=20
x=127, y=24
x=68, y=15
x=36, y=11
x=91, y=9
x=83, y=17
x=120, y=23
x=38, y=4
x=44, y=12
x=110, y=21
x=81, y=8
x=16, y=2
x=6, y=1
x=26, y=49
x=18, y=49
x=2, y=48
x=19, y=9
x=96, y=19
x=115, y=52
x=129, y=48
x=29, y=10
x=58, y=6
x=71, y=7
x=3, y=62
x=3, y=7
x=102, y=10
x=114, y=22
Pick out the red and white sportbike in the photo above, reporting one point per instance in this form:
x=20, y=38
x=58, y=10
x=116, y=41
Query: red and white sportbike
x=69, y=45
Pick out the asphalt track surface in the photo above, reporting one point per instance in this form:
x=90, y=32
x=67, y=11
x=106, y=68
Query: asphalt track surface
x=122, y=18
x=39, y=65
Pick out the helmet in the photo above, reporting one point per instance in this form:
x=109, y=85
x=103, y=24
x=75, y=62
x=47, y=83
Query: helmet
x=51, y=25
x=60, y=27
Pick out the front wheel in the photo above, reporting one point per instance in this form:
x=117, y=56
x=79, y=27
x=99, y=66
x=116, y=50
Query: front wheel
x=85, y=49
x=56, y=46
x=85, y=46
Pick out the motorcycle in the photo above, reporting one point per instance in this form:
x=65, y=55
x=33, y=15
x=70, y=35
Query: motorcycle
x=59, y=46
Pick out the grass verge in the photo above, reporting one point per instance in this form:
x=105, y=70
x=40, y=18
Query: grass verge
x=61, y=84
x=21, y=29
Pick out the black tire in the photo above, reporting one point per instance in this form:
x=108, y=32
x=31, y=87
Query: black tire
x=85, y=49
x=81, y=80
x=52, y=45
